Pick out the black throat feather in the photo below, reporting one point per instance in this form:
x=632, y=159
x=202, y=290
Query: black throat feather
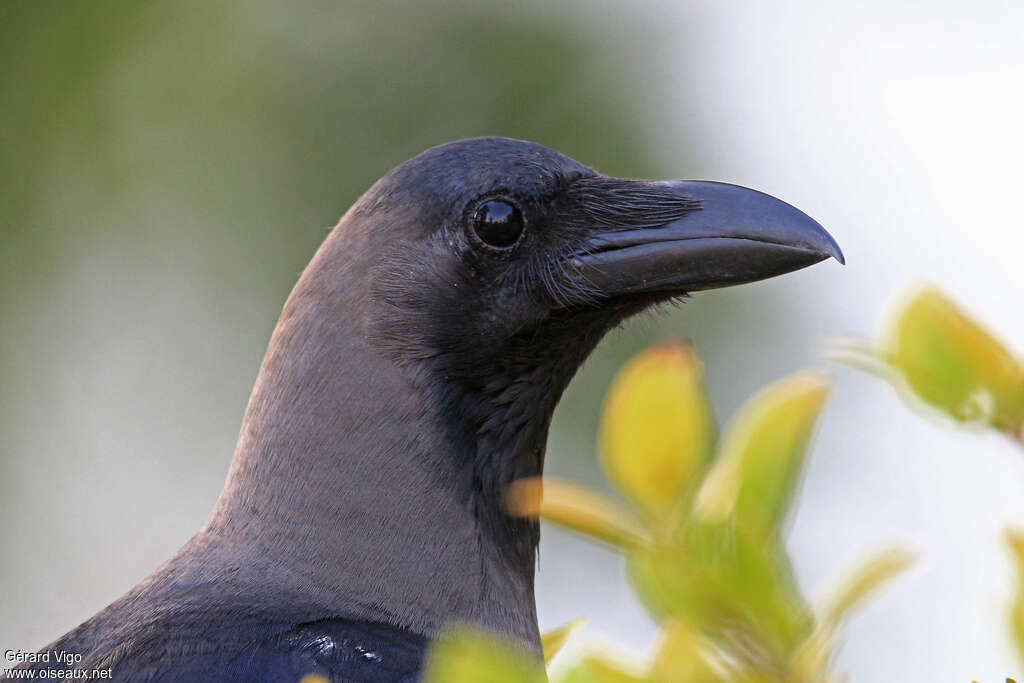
x=495, y=345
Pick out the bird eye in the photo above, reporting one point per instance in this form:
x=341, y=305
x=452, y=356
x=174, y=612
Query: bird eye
x=498, y=223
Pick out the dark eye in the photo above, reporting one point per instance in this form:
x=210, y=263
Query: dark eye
x=498, y=223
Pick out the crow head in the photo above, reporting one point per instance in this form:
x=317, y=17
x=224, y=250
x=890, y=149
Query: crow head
x=494, y=266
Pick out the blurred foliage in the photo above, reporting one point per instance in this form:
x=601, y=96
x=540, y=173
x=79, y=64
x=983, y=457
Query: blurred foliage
x=665, y=380
x=936, y=354
x=552, y=641
x=702, y=535
x=470, y=655
x=1015, y=539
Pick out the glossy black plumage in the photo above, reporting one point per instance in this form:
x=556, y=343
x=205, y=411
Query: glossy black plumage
x=341, y=651
x=261, y=651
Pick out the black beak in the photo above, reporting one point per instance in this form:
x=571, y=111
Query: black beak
x=736, y=235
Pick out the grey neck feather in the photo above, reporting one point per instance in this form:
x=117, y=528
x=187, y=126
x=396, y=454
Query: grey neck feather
x=340, y=490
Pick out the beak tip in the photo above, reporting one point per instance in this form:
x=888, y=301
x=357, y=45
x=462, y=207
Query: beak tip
x=821, y=240
x=837, y=254
x=833, y=250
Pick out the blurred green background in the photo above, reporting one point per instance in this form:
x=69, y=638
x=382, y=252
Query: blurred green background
x=167, y=169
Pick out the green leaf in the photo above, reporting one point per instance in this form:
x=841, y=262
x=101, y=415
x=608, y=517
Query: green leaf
x=466, y=655
x=762, y=454
x=952, y=363
x=724, y=568
x=735, y=587
x=576, y=508
x=657, y=429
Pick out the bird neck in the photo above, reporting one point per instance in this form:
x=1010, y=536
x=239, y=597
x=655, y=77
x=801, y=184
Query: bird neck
x=358, y=488
x=495, y=413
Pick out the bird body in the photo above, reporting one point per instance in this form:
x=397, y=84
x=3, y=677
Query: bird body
x=411, y=377
x=165, y=630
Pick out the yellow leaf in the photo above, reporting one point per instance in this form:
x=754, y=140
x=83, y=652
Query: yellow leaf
x=863, y=581
x=467, y=655
x=1015, y=537
x=606, y=671
x=683, y=656
x=657, y=430
x=811, y=659
x=762, y=454
x=716, y=498
x=313, y=678
x=600, y=669
x=954, y=364
x=553, y=640
x=576, y=508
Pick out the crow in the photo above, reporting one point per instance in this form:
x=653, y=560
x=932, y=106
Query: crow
x=411, y=377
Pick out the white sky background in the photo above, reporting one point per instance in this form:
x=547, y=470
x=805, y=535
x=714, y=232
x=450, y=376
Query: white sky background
x=899, y=127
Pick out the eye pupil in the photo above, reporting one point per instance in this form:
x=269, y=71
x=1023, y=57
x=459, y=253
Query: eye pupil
x=498, y=223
